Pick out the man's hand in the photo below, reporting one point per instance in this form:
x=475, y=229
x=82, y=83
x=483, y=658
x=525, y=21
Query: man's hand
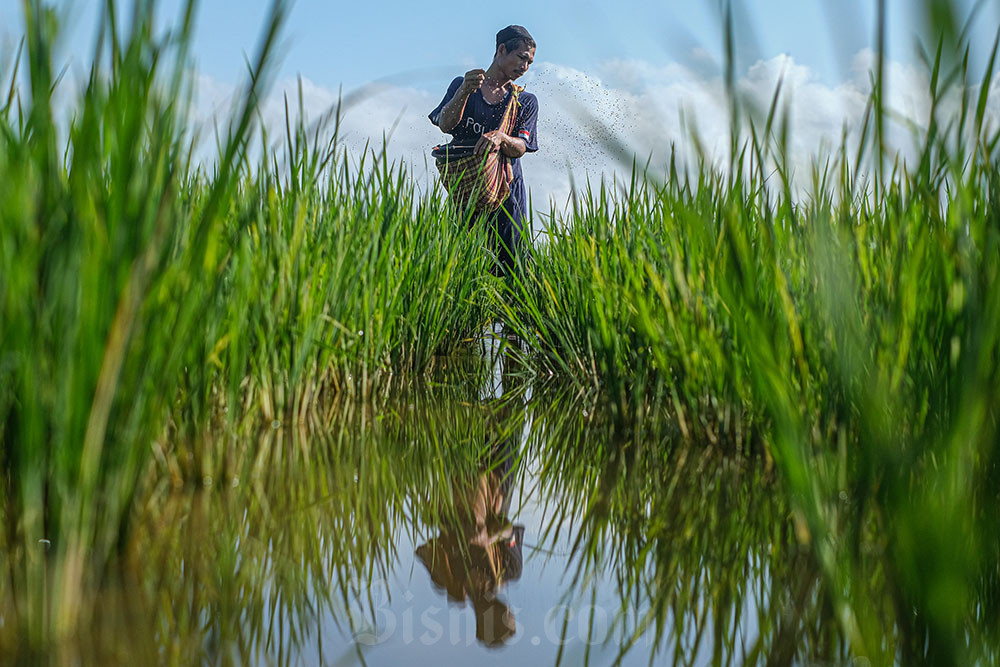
x=490, y=142
x=473, y=80
x=498, y=141
x=452, y=112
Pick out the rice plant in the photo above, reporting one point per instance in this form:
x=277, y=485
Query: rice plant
x=848, y=337
x=145, y=295
x=851, y=333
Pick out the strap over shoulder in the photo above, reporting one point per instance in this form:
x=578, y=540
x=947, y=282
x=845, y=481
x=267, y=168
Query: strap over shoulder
x=510, y=115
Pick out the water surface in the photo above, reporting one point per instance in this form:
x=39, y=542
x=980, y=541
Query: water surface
x=470, y=519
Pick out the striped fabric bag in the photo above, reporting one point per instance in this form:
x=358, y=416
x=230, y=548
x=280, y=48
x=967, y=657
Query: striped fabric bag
x=480, y=181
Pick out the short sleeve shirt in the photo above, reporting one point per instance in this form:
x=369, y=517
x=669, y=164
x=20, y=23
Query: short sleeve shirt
x=480, y=117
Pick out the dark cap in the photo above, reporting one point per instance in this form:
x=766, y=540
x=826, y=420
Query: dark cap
x=514, y=32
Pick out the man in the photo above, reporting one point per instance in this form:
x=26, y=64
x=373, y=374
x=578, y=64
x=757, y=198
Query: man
x=472, y=111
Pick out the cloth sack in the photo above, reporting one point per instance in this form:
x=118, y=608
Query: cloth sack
x=480, y=181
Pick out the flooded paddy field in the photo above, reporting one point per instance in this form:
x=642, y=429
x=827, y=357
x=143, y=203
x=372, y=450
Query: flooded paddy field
x=248, y=416
x=469, y=519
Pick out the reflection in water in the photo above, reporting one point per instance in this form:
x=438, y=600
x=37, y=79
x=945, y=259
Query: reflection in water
x=479, y=549
x=478, y=552
x=319, y=546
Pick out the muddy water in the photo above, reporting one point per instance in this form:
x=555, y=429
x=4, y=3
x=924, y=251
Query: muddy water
x=475, y=519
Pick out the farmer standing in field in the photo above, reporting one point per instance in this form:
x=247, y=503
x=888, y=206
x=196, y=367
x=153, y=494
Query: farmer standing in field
x=486, y=112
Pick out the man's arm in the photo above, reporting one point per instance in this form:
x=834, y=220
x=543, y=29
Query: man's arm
x=512, y=146
x=452, y=112
x=498, y=141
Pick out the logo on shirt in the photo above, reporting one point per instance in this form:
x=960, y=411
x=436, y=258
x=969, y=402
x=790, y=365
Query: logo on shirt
x=524, y=134
x=476, y=127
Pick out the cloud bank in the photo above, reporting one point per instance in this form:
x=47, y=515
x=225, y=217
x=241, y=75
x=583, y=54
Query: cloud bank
x=592, y=125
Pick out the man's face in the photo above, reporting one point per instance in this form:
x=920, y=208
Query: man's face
x=516, y=62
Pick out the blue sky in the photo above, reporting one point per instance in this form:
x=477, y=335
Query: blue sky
x=352, y=43
x=644, y=69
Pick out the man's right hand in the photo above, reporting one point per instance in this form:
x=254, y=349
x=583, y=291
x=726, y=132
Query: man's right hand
x=473, y=79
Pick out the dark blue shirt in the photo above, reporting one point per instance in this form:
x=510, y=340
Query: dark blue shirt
x=481, y=117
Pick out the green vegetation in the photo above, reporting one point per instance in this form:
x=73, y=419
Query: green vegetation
x=142, y=296
x=267, y=561
x=848, y=337
x=855, y=333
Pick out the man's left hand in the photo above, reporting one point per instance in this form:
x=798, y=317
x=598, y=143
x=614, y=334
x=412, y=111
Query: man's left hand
x=490, y=142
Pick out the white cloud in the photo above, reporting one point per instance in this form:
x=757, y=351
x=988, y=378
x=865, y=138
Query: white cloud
x=592, y=125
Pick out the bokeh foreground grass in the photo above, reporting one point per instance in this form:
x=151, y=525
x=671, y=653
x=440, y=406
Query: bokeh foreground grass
x=144, y=296
x=851, y=336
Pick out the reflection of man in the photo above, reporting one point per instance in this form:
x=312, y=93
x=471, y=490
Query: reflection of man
x=481, y=550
